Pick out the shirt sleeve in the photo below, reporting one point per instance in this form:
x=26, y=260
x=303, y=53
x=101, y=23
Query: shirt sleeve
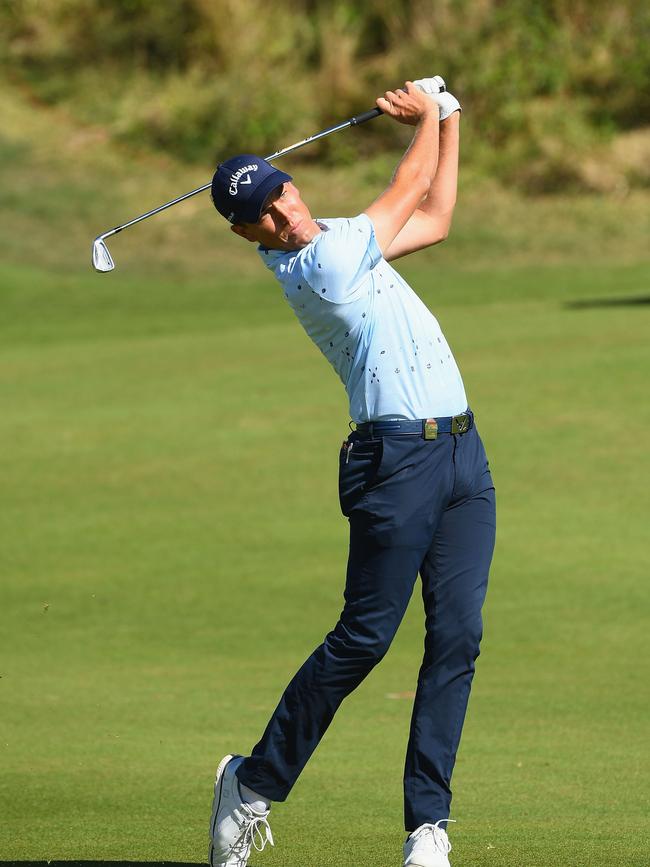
x=340, y=257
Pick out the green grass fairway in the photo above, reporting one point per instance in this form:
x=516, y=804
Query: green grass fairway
x=172, y=550
x=171, y=547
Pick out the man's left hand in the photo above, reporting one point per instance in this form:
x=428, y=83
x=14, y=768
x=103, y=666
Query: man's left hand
x=446, y=101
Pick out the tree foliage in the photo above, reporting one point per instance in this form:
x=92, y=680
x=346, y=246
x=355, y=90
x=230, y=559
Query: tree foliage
x=545, y=86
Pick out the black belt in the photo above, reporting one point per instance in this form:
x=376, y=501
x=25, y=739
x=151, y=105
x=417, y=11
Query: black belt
x=428, y=428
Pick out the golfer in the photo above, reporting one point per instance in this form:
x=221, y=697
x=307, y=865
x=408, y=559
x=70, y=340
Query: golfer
x=414, y=481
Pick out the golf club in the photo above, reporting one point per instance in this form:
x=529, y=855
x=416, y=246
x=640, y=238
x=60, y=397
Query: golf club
x=102, y=259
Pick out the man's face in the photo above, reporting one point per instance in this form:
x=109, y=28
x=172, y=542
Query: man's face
x=285, y=222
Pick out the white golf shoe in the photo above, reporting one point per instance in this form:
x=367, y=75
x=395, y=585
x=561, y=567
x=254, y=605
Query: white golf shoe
x=428, y=846
x=235, y=827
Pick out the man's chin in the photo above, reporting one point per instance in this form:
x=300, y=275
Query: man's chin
x=305, y=236
x=290, y=241
x=294, y=242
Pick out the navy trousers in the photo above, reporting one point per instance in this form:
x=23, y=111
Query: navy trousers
x=413, y=505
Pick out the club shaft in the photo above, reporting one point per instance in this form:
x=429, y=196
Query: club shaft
x=353, y=121
x=154, y=211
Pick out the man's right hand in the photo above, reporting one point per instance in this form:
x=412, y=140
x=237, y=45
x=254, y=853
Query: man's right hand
x=408, y=106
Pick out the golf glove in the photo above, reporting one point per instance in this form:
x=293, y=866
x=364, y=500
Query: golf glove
x=446, y=101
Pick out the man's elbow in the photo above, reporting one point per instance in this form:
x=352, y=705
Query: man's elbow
x=439, y=231
x=443, y=228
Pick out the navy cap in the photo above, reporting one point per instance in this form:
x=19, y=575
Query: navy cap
x=241, y=184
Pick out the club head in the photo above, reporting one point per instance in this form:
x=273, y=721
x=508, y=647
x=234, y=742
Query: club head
x=102, y=260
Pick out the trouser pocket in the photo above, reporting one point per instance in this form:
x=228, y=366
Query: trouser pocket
x=359, y=462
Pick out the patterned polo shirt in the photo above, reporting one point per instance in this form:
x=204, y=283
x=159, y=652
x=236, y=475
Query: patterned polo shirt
x=383, y=342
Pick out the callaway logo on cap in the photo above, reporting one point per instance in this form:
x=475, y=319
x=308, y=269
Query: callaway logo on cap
x=241, y=184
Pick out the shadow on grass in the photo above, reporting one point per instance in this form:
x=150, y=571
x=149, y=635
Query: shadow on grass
x=632, y=301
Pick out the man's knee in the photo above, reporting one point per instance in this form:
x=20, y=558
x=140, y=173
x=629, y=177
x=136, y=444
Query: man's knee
x=460, y=639
x=350, y=645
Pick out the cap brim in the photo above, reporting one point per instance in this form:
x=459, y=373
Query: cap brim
x=251, y=213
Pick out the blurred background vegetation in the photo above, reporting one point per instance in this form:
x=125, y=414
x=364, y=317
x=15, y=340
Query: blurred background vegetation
x=557, y=94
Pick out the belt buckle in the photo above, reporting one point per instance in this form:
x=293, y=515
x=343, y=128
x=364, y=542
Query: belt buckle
x=460, y=423
x=430, y=429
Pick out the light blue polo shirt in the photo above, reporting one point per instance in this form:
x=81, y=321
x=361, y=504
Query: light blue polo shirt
x=383, y=342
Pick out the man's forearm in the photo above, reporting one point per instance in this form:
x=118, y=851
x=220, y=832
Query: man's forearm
x=394, y=213
x=441, y=198
x=420, y=160
x=409, y=186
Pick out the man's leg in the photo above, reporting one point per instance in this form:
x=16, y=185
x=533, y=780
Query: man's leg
x=378, y=588
x=454, y=581
x=391, y=527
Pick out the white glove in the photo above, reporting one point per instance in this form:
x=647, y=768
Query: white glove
x=435, y=88
x=431, y=85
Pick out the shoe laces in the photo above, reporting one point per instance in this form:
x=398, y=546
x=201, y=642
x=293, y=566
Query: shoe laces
x=439, y=835
x=256, y=833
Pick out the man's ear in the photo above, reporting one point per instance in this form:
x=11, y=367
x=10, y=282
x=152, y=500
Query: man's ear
x=242, y=231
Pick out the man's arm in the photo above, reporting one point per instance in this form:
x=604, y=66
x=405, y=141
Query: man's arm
x=431, y=221
x=412, y=179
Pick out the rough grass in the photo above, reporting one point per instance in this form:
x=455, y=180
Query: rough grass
x=172, y=547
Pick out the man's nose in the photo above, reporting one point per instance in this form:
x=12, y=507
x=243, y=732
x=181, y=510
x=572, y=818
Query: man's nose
x=282, y=208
